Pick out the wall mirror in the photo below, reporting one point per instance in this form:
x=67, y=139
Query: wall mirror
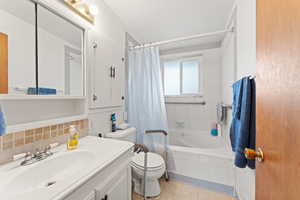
x=60, y=53
x=17, y=46
x=41, y=52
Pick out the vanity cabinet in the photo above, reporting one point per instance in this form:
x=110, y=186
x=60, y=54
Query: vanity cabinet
x=115, y=188
x=108, y=71
x=111, y=183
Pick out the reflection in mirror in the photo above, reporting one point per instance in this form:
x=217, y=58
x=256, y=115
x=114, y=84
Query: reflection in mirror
x=60, y=55
x=17, y=47
x=2, y=122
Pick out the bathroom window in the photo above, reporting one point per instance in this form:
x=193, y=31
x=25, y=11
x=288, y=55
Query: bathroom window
x=182, y=77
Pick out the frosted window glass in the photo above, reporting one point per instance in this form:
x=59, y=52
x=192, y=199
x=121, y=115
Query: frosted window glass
x=172, y=78
x=190, y=77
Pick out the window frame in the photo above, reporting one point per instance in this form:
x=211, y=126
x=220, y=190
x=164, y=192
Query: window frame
x=181, y=60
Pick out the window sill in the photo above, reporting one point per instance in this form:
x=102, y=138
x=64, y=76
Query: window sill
x=185, y=99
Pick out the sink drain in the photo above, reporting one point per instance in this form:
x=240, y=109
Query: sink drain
x=50, y=183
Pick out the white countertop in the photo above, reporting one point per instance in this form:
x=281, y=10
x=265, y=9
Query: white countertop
x=69, y=169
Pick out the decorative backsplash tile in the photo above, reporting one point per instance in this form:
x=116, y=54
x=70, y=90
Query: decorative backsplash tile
x=20, y=139
x=28, y=140
x=38, y=135
x=46, y=133
x=29, y=136
x=7, y=142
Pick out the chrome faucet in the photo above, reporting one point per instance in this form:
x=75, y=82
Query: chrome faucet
x=38, y=155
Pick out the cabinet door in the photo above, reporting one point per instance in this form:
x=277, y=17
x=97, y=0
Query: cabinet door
x=118, y=190
x=118, y=187
x=101, y=73
x=118, y=80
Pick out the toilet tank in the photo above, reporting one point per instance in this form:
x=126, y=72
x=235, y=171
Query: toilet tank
x=126, y=135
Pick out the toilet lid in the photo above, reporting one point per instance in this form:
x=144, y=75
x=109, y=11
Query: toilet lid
x=153, y=161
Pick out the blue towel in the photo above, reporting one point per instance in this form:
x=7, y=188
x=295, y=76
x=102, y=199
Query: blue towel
x=243, y=127
x=41, y=91
x=2, y=123
x=236, y=111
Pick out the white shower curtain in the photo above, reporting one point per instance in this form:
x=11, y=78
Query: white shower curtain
x=146, y=105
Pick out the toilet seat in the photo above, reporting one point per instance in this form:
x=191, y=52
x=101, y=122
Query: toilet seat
x=154, y=161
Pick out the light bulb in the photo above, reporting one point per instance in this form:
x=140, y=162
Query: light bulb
x=94, y=10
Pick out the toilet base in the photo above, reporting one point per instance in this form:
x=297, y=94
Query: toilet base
x=152, y=185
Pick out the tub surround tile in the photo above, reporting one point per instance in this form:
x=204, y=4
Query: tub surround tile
x=28, y=140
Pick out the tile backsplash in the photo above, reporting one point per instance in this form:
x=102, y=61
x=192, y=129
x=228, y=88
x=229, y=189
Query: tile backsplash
x=29, y=140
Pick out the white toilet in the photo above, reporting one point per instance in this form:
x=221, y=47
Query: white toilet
x=155, y=165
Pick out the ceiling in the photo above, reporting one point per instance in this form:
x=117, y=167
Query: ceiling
x=158, y=20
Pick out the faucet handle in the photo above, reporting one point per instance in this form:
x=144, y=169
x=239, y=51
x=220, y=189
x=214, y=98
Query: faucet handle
x=53, y=145
x=28, y=154
x=21, y=155
x=49, y=147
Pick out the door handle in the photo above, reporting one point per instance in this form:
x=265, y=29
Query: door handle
x=251, y=154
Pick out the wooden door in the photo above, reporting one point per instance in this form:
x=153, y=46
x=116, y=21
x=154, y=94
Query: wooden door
x=3, y=63
x=278, y=99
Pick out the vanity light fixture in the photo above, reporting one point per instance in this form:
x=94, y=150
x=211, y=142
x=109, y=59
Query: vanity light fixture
x=82, y=9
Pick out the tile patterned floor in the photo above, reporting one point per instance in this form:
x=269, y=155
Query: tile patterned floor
x=174, y=190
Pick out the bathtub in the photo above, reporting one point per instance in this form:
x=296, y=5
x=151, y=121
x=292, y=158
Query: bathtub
x=200, y=157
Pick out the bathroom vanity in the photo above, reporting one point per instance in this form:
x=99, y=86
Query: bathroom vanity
x=98, y=170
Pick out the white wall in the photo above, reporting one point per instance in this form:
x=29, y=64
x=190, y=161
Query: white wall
x=246, y=37
x=196, y=118
x=245, y=17
x=246, y=65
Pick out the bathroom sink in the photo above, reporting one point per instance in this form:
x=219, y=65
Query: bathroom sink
x=56, y=177
x=48, y=173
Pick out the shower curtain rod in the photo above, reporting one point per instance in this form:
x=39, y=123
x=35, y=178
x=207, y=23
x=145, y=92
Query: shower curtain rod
x=182, y=39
